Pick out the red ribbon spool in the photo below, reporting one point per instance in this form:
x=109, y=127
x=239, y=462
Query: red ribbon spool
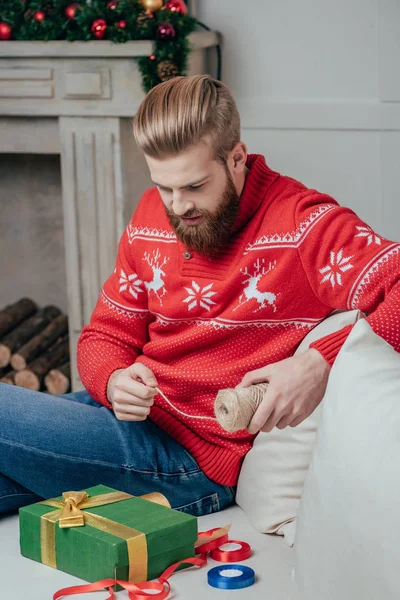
x=231, y=555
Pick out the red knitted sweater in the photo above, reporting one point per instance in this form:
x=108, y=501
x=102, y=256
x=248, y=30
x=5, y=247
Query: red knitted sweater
x=201, y=323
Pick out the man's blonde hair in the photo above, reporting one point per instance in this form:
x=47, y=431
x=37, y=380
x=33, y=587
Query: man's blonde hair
x=182, y=111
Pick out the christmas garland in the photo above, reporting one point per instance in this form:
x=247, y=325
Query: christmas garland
x=116, y=20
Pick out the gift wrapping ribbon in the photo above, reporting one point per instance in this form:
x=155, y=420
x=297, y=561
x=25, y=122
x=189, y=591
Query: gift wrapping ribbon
x=135, y=590
x=70, y=513
x=213, y=538
x=207, y=542
x=232, y=555
x=210, y=542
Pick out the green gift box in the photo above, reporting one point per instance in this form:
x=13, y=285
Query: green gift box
x=133, y=539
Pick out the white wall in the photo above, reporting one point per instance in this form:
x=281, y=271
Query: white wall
x=317, y=84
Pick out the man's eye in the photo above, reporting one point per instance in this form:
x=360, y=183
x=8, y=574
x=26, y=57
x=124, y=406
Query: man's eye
x=195, y=187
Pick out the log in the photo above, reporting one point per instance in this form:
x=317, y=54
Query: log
x=33, y=376
x=41, y=342
x=9, y=378
x=58, y=381
x=21, y=334
x=13, y=314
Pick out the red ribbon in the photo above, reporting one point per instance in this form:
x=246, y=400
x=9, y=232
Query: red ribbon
x=208, y=546
x=136, y=590
x=232, y=555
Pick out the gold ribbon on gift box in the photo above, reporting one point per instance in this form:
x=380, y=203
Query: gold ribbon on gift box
x=70, y=514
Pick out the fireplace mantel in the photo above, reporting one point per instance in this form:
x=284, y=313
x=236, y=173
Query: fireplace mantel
x=77, y=99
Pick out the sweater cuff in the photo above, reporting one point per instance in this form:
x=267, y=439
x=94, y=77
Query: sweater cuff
x=330, y=345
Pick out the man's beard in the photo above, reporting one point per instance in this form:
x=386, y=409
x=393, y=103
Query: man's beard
x=215, y=229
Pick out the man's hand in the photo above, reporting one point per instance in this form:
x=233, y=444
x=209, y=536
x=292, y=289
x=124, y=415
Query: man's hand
x=296, y=387
x=131, y=392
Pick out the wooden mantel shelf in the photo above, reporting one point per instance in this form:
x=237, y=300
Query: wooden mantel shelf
x=199, y=40
x=81, y=78
x=77, y=99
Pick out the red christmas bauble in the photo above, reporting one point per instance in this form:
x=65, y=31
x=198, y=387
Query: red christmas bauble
x=176, y=6
x=99, y=27
x=121, y=24
x=5, y=31
x=70, y=11
x=165, y=31
x=39, y=16
x=112, y=5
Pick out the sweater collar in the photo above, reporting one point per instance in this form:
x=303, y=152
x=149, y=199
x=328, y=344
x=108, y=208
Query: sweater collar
x=258, y=180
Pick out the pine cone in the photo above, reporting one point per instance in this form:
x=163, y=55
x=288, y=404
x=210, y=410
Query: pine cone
x=144, y=18
x=167, y=70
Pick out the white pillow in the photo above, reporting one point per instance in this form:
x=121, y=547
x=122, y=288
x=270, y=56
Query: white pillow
x=273, y=472
x=347, y=544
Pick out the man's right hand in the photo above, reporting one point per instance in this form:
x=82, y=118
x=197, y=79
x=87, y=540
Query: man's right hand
x=131, y=392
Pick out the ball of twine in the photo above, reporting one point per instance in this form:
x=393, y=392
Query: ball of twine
x=234, y=409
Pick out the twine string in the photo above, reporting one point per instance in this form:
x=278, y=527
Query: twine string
x=233, y=409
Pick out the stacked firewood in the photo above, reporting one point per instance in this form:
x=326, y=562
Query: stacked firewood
x=34, y=347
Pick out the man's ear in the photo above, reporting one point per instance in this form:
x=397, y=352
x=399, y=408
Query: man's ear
x=238, y=157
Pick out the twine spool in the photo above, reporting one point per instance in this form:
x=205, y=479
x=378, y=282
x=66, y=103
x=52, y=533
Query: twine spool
x=234, y=409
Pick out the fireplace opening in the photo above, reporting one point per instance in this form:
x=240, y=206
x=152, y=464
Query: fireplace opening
x=34, y=340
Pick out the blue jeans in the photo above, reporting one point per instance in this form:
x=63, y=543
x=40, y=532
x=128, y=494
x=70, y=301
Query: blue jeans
x=51, y=444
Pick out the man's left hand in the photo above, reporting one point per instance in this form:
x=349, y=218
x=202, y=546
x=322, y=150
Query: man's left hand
x=296, y=386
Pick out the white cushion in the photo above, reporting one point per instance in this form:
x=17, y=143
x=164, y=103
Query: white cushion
x=347, y=544
x=273, y=472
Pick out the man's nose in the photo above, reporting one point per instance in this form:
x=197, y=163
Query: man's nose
x=180, y=204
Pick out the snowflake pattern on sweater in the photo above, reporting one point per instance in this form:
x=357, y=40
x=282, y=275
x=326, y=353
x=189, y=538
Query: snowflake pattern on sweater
x=200, y=323
x=338, y=264
x=198, y=296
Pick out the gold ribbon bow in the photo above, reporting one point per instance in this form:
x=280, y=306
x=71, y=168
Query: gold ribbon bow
x=70, y=513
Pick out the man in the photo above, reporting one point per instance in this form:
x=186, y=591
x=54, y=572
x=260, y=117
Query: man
x=223, y=269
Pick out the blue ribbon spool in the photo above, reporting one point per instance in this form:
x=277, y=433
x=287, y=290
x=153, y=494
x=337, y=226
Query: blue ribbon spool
x=235, y=582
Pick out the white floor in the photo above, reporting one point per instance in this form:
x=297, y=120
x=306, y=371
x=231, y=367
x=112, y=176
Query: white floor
x=272, y=561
